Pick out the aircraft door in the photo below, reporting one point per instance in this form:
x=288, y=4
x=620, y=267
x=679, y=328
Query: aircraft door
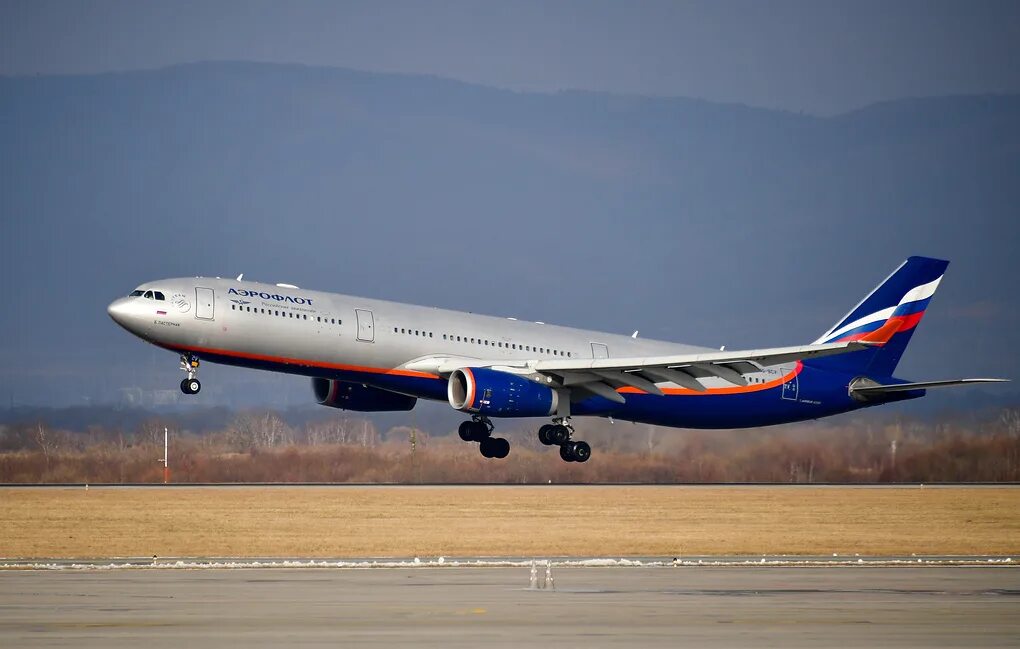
x=599, y=350
x=205, y=301
x=366, y=325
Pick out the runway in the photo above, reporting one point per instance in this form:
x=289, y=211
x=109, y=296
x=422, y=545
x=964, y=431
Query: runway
x=646, y=606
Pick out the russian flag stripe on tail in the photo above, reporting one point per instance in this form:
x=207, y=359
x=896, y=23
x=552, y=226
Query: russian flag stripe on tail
x=887, y=317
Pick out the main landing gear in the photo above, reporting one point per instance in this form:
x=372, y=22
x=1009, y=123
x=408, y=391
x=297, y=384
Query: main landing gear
x=558, y=433
x=479, y=429
x=189, y=364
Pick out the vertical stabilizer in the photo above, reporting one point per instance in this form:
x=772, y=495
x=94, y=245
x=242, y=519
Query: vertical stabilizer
x=887, y=317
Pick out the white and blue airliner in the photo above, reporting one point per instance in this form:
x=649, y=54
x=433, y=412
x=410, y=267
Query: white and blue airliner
x=373, y=355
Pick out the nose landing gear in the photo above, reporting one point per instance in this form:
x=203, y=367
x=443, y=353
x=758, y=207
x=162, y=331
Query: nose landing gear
x=479, y=429
x=189, y=364
x=559, y=433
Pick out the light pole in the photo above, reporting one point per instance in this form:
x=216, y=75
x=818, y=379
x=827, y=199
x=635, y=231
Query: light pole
x=166, y=456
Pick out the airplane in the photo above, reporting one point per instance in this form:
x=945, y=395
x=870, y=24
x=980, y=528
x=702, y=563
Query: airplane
x=372, y=355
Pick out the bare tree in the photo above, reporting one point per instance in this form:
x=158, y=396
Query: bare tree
x=1010, y=418
x=46, y=441
x=252, y=430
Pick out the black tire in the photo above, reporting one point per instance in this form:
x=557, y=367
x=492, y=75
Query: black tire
x=581, y=451
x=466, y=431
x=500, y=448
x=488, y=447
x=184, y=386
x=566, y=452
x=194, y=386
x=481, y=431
x=559, y=435
x=543, y=434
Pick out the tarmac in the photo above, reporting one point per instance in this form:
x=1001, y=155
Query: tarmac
x=734, y=605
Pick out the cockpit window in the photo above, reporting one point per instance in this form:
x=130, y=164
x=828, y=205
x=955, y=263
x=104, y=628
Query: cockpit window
x=148, y=294
x=136, y=293
x=159, y=296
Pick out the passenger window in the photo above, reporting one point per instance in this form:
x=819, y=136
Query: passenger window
x=430, y=334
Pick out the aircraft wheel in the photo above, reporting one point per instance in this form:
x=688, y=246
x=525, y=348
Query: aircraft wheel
x=543, y=434
x=558, y=435
x=480, y=431
x=566, y=453
x=488, y=447
x=466, y=430
x=190, y=386
x=500, y=448
x=581, y=451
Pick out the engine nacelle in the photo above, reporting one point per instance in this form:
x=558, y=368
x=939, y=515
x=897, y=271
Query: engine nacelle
x=499, y=394
x=355, y=396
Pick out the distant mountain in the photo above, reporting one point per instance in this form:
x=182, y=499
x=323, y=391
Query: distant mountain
x=688, y=220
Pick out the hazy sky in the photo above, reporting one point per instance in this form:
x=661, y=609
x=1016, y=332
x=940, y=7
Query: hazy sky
x=817, y=56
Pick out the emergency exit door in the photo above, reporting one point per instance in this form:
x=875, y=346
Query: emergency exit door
x=599, y=350
x=366, y=325
x=205, y=301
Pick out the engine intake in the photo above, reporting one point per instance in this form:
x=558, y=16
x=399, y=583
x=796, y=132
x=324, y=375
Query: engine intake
x=359, y=397
x=499, y=394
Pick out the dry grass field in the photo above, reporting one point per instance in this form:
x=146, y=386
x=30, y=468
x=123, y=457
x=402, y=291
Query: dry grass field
x=501, y=521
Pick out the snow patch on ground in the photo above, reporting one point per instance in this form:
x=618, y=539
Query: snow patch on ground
x=445, y=563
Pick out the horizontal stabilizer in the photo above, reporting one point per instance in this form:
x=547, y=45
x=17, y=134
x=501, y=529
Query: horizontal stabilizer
x=904, y=387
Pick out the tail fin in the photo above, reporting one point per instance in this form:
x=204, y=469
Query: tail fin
x=887, y=318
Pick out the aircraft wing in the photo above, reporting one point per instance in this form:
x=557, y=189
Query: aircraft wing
x=602, y=376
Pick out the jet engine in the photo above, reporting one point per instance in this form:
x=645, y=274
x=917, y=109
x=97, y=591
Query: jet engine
x=356, y=396
x=499, y=394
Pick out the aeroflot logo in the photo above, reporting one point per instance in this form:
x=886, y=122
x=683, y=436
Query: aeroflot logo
x=270, y=296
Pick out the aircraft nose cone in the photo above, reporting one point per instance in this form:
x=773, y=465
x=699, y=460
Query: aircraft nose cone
x=118, y=310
